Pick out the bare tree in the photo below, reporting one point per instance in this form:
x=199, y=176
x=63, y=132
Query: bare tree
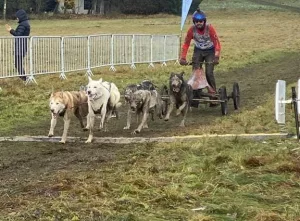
x=102, y=7
x=4, y=10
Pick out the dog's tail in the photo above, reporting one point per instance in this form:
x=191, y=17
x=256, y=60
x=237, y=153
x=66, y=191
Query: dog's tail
x=119, y=104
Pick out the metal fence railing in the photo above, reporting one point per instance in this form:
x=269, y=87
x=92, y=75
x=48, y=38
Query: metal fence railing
x=55, y=54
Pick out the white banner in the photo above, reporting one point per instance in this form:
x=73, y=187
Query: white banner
x=186, y=4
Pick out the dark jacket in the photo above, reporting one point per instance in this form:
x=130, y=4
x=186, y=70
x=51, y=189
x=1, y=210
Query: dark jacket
x=23, y=29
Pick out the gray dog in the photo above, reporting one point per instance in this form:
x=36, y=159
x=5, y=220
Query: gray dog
x=181, y=95
x=128, y=95
x=145, y=102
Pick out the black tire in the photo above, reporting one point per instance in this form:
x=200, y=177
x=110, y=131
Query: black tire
x=224, y=99
x=294, y=101
x=164, y=92
x=236, y=95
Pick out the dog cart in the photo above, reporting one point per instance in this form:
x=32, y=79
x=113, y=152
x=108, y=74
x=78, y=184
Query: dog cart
x=203, y=93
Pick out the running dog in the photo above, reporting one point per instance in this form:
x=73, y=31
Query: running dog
x=103, y=99
x=114, y=99
x=128, y=95
x=144, y=102
x=63, y=104
x=181, y=95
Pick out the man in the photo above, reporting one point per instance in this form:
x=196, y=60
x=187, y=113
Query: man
x=207, y=47
x=22, y=30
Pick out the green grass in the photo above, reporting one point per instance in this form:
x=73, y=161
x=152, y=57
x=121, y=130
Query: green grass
x=229, y=178
x=226, y=179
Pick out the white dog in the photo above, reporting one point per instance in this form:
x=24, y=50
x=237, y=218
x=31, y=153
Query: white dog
x=103, y=99
x=114, y=99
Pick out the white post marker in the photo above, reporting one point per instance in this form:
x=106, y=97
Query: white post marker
x=280, y=101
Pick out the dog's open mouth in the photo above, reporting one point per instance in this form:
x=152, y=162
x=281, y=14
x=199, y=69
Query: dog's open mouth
x=176, y=89
x=55, y=115
x=92, y=96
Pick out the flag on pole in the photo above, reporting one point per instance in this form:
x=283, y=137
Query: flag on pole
x=186, y=4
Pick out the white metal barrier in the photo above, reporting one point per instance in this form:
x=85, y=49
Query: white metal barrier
x=56, y=54
x=12, y=56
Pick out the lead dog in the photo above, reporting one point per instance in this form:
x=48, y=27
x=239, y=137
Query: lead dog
x=144, y=102
x=128, y=95
x=63, y=104
x=181, y=95
x=103, y=99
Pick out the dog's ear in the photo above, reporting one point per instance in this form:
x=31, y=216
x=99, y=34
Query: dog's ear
x=172, y=74
x=182, y=73
x=100, y=80
x=62, y=94
x=50, y=93
x=90, y=79
x=82, y=88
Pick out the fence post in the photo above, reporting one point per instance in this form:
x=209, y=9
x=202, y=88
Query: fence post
x=62, y=74
x=151, y=53
x=30, y=78
x=165, y=41
x=133, y=51
x=112, y=68
x=89, y=71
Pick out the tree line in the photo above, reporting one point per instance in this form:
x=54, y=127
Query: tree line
x=102, y=7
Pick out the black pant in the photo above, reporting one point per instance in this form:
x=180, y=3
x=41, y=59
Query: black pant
x=19, y=64
x=207, y=57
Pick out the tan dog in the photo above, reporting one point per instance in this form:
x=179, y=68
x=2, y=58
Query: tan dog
x=63, y=104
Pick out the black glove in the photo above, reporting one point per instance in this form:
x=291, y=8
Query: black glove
x=183, y=61
x=216, y=60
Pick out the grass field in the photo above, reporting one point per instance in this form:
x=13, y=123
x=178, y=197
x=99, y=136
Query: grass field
x=212, y=179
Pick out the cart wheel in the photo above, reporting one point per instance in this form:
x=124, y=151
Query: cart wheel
x=236, y=95
x=164, y=92
x=294, y=101
x=224, y=99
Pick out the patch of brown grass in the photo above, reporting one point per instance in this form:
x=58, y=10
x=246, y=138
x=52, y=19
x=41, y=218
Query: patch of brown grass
x=255, y=161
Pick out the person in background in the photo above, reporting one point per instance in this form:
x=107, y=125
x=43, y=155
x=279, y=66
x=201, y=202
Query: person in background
x=22, y=30
x=207, y=46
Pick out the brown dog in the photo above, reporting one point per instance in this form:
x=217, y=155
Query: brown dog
x=63, y=104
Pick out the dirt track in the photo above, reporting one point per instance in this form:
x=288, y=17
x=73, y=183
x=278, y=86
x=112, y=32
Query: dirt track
x=255, y=81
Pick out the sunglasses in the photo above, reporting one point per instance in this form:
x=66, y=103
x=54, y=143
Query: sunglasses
x=199, y=21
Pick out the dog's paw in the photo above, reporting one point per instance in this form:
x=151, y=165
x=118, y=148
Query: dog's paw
x=62, y=141
x=90, y=138
x=126, y=128
x=50, y=135
x=166, y=119
x=85, y=129
x=182, y=125
x=135, y=132
x=145, y=126
x=178, y=112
